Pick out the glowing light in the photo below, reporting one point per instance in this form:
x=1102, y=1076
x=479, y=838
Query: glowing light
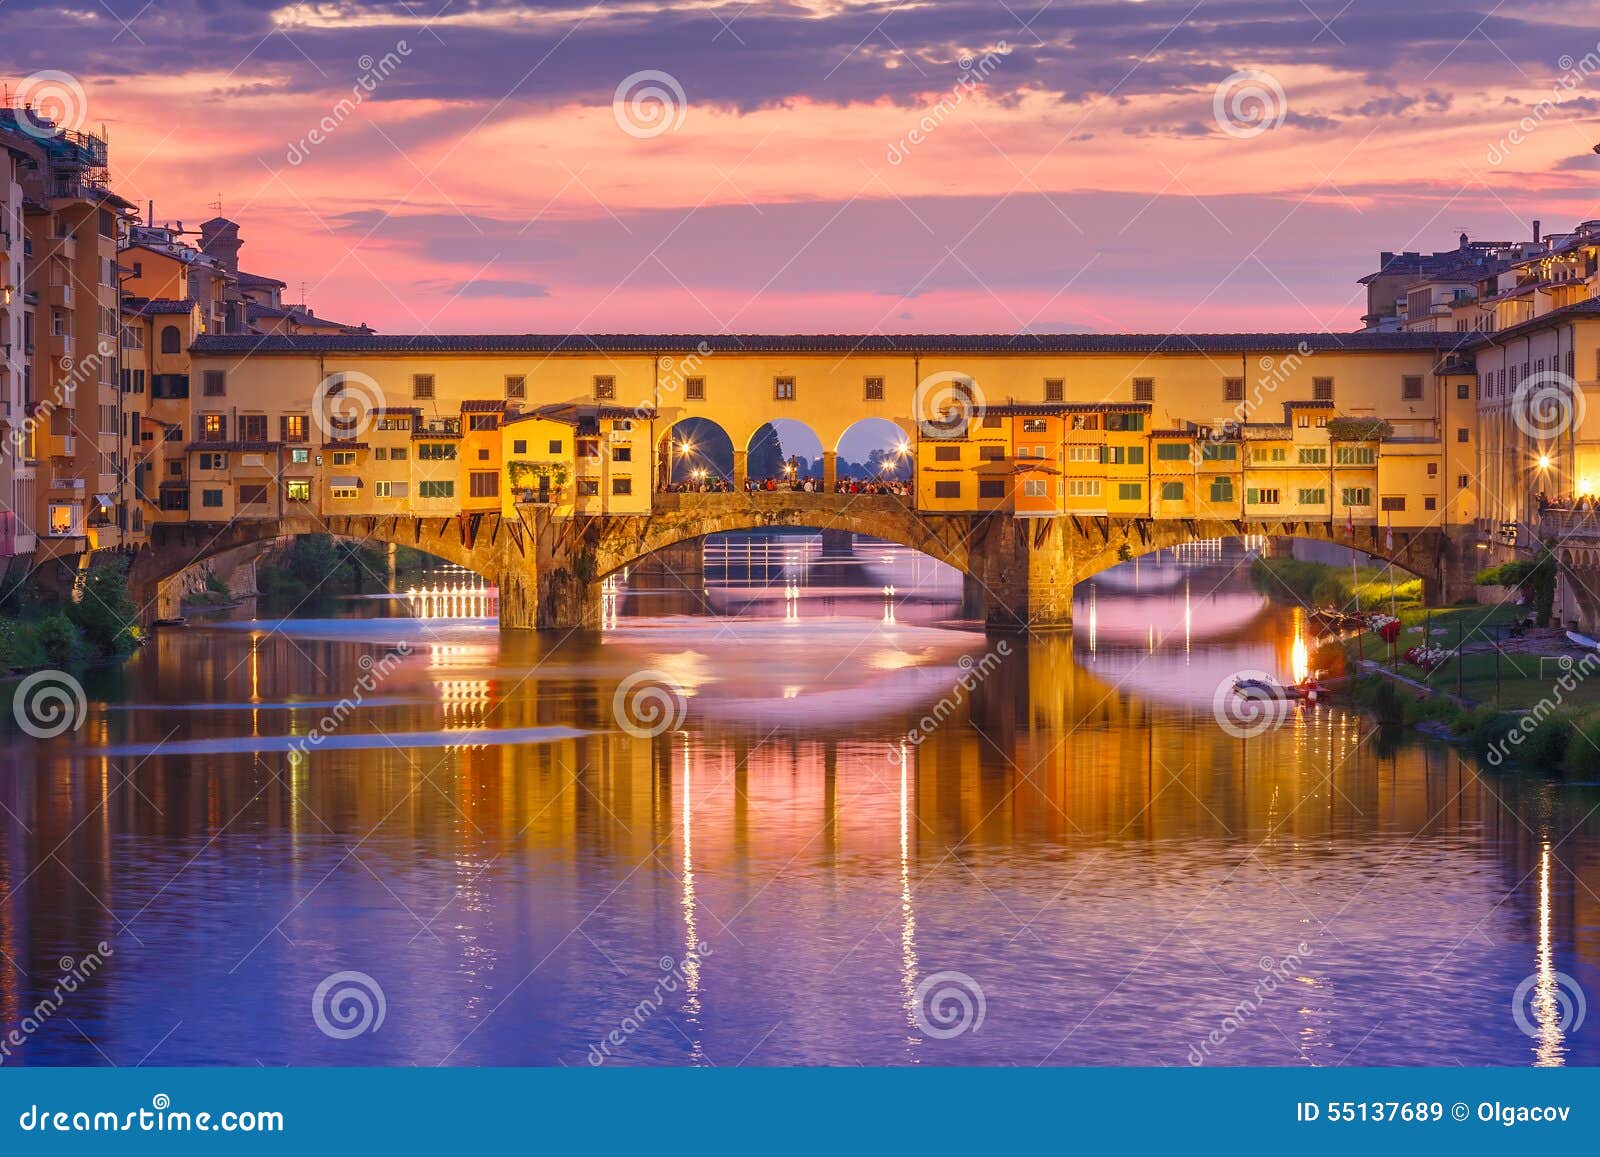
x=1585, y=487
x=1299, y=657
x=1544, y=461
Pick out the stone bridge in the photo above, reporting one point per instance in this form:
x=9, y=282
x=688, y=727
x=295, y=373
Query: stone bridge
x=1019, y=573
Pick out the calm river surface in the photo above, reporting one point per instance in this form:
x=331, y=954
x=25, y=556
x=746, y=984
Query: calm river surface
x=1075, y=865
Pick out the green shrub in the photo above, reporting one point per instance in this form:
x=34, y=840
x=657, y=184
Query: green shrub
x=60, y=641
x=1546, y=747
x=105, y=613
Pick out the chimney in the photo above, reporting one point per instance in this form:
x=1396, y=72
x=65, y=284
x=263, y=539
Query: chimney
x=1464, y=240
x=1536, y=232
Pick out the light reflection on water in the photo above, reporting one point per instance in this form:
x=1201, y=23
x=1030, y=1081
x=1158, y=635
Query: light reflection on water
x=1075, y=833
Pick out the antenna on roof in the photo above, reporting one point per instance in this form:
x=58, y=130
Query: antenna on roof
x=302, y=294
x=217, y=205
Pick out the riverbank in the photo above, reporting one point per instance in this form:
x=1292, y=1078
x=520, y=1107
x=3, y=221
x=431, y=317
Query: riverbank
x=100, y=625
x=1474, y=675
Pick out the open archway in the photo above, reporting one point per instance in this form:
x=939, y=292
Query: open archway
x=694, y=452
x=785, y=451
x=874, y=449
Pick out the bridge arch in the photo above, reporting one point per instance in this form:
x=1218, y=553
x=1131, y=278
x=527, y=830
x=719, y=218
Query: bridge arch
x=682, y=518
x=175, y=547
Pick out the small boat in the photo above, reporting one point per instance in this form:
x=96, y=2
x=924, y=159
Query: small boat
x=1310, y=690
x=1263, y=689
x=177, y=622
x=1582, y=640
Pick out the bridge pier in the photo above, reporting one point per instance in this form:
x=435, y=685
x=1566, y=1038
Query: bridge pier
x=1022, y=571
x=741, y=470
x=830, y=470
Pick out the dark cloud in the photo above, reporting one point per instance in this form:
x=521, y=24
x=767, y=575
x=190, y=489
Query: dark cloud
x=500, y=288
x=747, y=57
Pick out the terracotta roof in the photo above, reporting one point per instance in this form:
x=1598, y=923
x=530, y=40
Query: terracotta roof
x=482, y=406
x=157, y=305
x=651, y=344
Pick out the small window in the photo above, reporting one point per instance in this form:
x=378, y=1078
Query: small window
x=1172, y=491
x=605, y=388
x=1144, y=389
x=621, y=486
x=1430, y=503
x=783, y=389
x=992, y=488
x=873, y=390
x=422, y=386
x=992, y=422
x=380, y=453
x=212, y=498
x=1463, y=434
x=1463, y=481
x=1461, y=390
x=1055, y=389
x=1433, y=470
x=1034, y=426
x=588, y=487
x=298, y=489
x=1222, y=490
x=252, y=494
x=516, y=386
x=622, y=453
x=214, y=383
x=1172, y=452
x=947, y=490
x=1130, y=491
x=483, y=484
x=694, y=389
x=1233, y=389
x=1394, y=502
x=1322, y=389
x=947, y=453
x=172, y=343
x=437, y=489
x=1411, y=387
x=1312, y=496
x=553, y=448
x=483, y=421
x=300, y=457
x=398, y=453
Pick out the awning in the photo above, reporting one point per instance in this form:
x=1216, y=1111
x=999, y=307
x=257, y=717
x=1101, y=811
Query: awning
x=104, y=501
x=344, y=480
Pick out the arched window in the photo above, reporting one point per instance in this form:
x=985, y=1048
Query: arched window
x=171, y=340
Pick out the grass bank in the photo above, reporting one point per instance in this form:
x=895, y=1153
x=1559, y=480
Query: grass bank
x=1524, y=698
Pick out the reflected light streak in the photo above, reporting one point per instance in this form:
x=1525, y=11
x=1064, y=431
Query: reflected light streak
x=691, y=938
x=908, y=917
x=1299, y=657
x=1550, y=1050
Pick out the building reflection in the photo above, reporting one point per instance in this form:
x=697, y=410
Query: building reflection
x=1056, y=752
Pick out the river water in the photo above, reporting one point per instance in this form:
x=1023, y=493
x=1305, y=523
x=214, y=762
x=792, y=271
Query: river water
x=864, y=835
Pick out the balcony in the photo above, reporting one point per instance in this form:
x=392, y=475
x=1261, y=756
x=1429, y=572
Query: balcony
x=73, y=484
x=61, y=446
x=62, y=295
x=62, y=342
